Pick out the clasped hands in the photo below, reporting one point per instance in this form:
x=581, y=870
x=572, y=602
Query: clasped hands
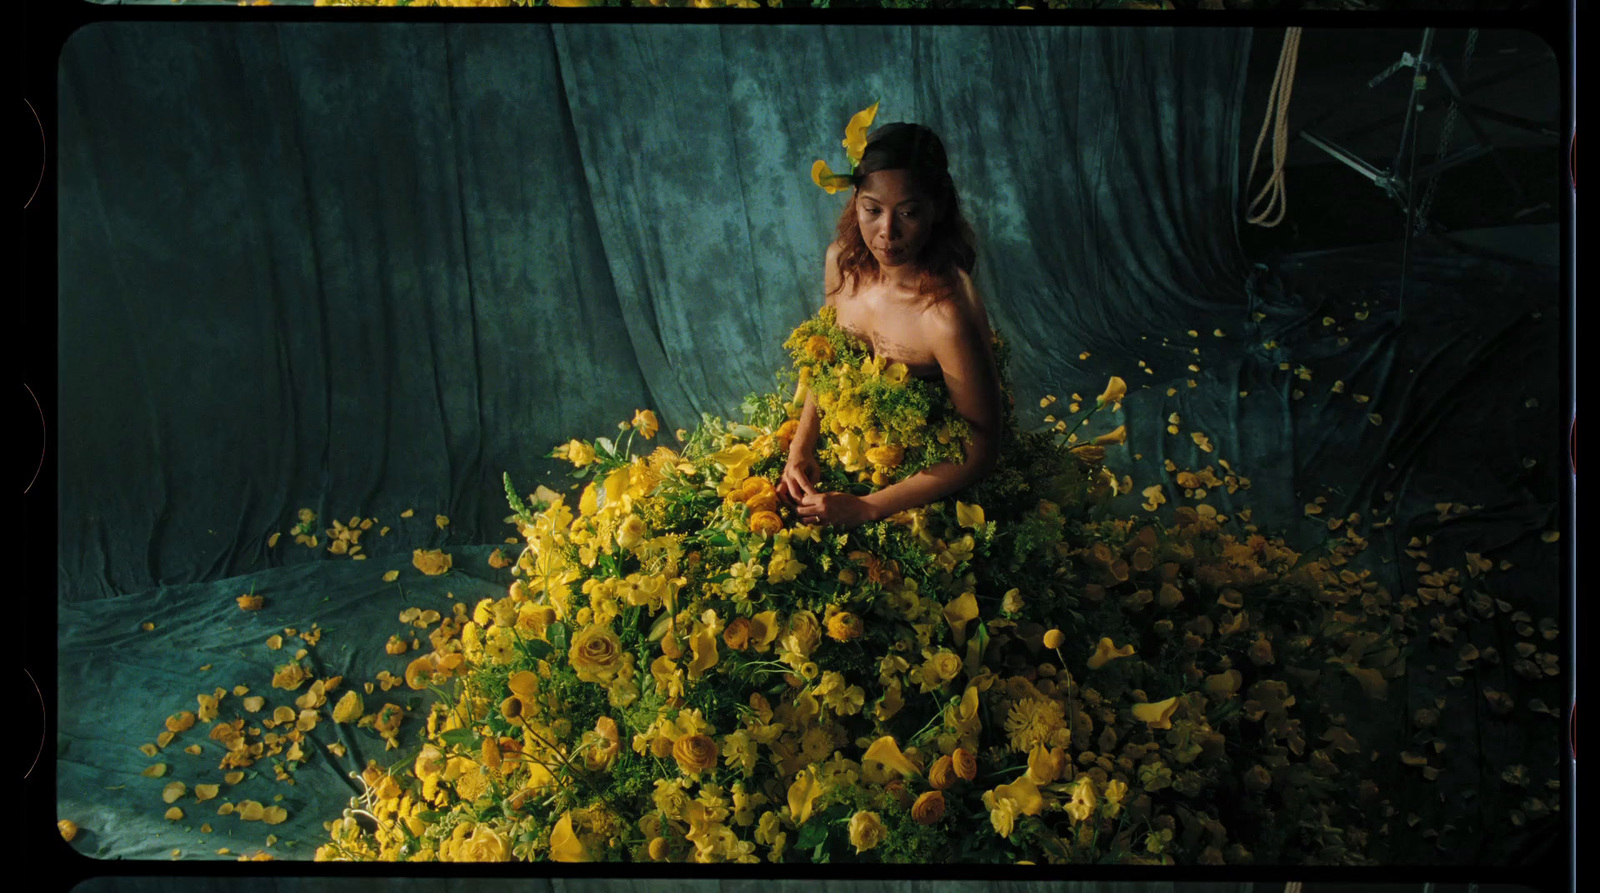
x=797, y=488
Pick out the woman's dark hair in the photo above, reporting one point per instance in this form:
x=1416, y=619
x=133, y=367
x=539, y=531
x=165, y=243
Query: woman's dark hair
x=918, y=151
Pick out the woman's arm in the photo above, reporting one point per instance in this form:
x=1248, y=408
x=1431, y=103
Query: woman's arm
x=802, y=469
x=958, y=332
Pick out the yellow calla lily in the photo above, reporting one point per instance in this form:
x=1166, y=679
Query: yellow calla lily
x=802, y=795
x=1116, y=435
x=616, y=483
x=1116, y=389
x=1224, y=683
x=886, y=751
x=564, y=843
x=1024, y=793
x=827, y=179
x=969, y=515
x=1105, y=652
x=1158, y=715
x=704, y=646
x=958, y=613
x=1372, y=682
x=855, y=133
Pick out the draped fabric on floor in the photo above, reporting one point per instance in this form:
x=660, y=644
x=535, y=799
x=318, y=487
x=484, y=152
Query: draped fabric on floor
x=365, y=268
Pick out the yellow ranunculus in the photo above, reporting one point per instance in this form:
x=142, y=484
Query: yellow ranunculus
x=928, y=808
x=564, y=843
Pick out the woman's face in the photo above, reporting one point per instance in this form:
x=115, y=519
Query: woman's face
x=896, y=218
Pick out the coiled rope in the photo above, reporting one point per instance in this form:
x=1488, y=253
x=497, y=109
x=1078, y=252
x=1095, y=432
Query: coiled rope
x=1275, y=190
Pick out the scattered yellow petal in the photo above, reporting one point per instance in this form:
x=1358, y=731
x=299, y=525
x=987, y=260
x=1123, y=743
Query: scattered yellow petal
x=68, y=829
x=174, y=814
x=1550, y=536
x=226, y=809
x=408, y=513
x=441, y=521
x=204, y=792
x=275, y=642
x=192, y=750
x=1327, y=320
x=274, y=815
x=391, y=576
x=155, y=770
x=273, y=540
x=1375, y=419
x=147, y=627
x=148, y=750
x=233, y=777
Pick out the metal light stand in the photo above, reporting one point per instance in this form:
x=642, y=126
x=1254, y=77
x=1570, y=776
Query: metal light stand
x=1391, y=179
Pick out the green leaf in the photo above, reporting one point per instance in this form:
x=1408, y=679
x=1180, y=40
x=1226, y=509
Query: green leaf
x=557, y=634
x=812, y=833
x=461, y=736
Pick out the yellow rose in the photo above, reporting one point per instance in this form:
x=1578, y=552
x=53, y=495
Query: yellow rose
x=482, y=844
x=818, y=346
x=929, y=808
x=866, y=831
x=596, y=654
x=695, y=753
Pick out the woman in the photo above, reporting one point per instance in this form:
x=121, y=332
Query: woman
x=898, y=277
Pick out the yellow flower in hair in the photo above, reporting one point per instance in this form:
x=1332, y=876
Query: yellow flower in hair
x=855, y=133
x=827, y=179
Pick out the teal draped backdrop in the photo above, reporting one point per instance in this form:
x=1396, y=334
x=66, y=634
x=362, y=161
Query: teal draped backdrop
x=361, y=268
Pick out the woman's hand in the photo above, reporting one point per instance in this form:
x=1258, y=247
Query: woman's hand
x=799, y=478
x=836, y=509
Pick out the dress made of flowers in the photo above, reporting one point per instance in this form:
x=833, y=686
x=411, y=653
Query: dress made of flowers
x=684, y=672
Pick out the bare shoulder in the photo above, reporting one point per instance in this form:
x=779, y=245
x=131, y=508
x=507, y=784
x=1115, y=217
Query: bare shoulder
x=960, y=318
